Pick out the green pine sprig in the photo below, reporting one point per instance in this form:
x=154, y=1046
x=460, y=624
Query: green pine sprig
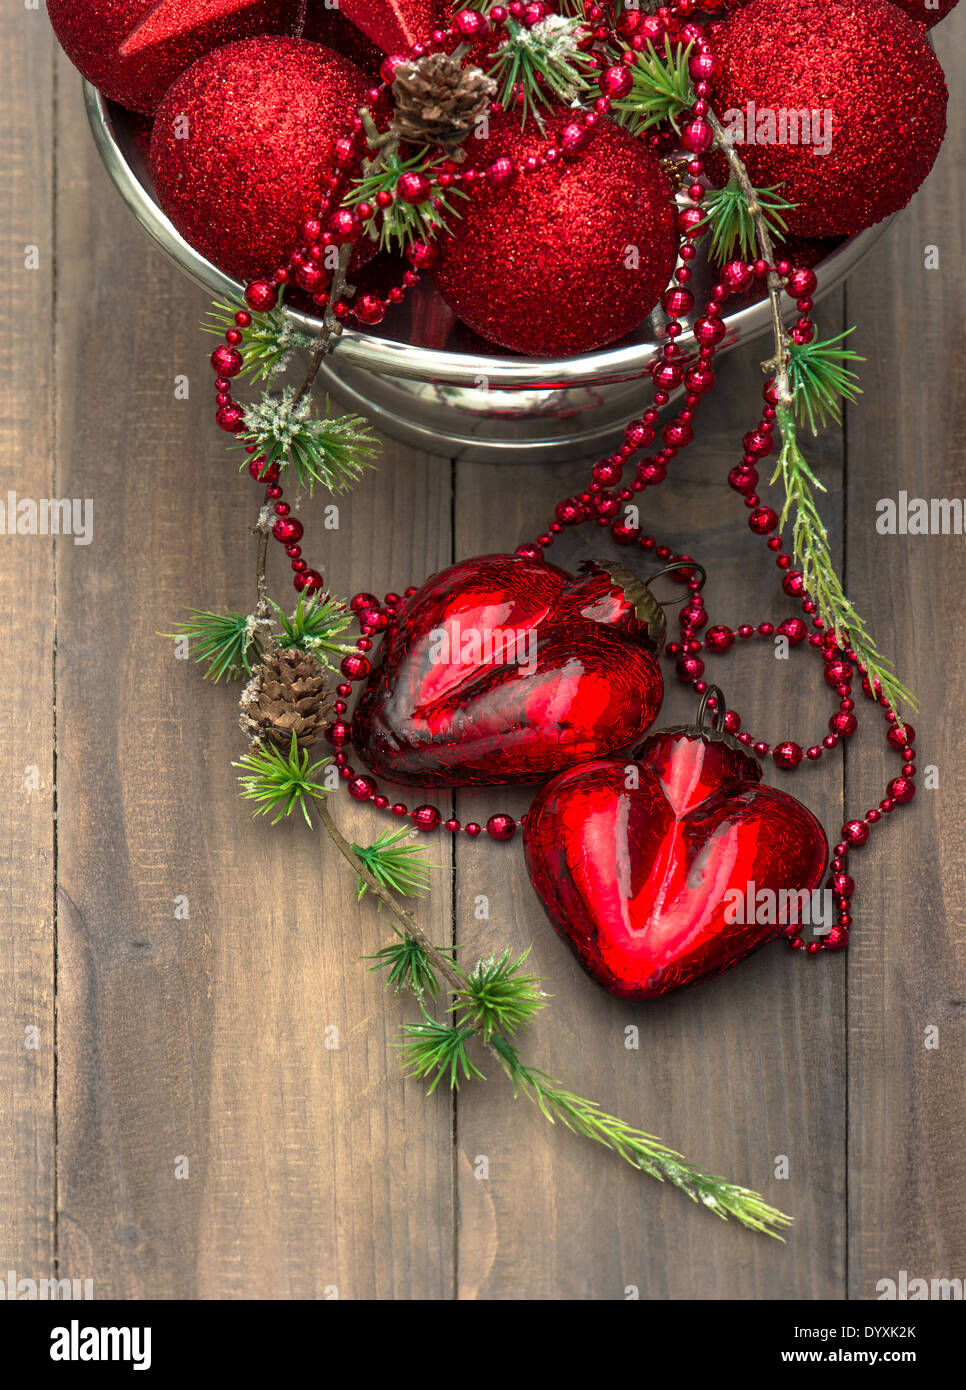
x=637, y=1148
x=314, y=627
x=498, y=997
x=228, y=642
x=402, y=868
x=409, y=966
x=437, y=1052
x=541, y=66
x=662, y=90
x=397, y=226
x=820, y=380
x=730, y=217
x=267, y=342
x=280, y=782
x=812, y=552
x=331, y=450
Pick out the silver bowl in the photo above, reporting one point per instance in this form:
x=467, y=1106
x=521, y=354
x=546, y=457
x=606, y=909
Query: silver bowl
x=436, y=385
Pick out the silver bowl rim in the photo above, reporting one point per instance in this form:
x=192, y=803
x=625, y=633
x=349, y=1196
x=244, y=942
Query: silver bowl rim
x=384, y=356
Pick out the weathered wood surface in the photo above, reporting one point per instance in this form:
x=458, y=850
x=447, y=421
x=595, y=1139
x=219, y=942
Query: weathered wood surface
x=207, y=1040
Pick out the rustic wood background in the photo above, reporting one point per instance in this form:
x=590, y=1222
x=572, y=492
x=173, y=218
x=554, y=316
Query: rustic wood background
x=315, y=1171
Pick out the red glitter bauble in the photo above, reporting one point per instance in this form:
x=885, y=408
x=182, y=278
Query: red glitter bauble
x=655, y=880
x=565, y=259
x=867, y=71
x=132, y=50
x=259, y=118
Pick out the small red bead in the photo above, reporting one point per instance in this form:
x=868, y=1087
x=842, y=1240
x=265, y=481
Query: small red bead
x=355, y=668
x=288, y=529
x=414, y=188
x=501, y=827
x=901, y=789
x=261, y=296
x=719, y=639
x=837, y=672
x=426, y=818
x=227, y=361
x=361, y=788
x=307, y=581
x=802, y=282
x=763, y=521
x=855, y=832
x=370, y=309
x=360, y=601
x=787, y=755
x=689, y=668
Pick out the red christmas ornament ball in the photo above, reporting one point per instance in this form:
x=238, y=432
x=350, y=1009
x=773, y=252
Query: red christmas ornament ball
x=132, y=50
x=260, y=117
x=568, y=258
x=868, y=71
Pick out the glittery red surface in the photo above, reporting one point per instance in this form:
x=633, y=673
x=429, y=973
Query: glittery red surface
x=261, y=118
x=541, y=268
x=334, y=28
x=93, y=31
x=636, y=877
x=395, y=25
x=863, y=61
x=927, y=15
x=503, y=669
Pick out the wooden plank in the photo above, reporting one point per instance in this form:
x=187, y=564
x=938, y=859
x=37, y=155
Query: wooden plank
x=311, y=1169
x=907, y=961
x=745, y=1069
x=27, y=606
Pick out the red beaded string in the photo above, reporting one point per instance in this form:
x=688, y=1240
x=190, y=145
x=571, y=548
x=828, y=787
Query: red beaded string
x=335, y=227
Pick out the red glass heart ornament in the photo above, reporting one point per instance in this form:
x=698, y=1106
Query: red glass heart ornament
x=668, y=869
x=507, y=669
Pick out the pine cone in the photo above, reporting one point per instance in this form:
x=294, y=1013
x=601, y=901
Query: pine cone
x=438, y=101
x=287, y=693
